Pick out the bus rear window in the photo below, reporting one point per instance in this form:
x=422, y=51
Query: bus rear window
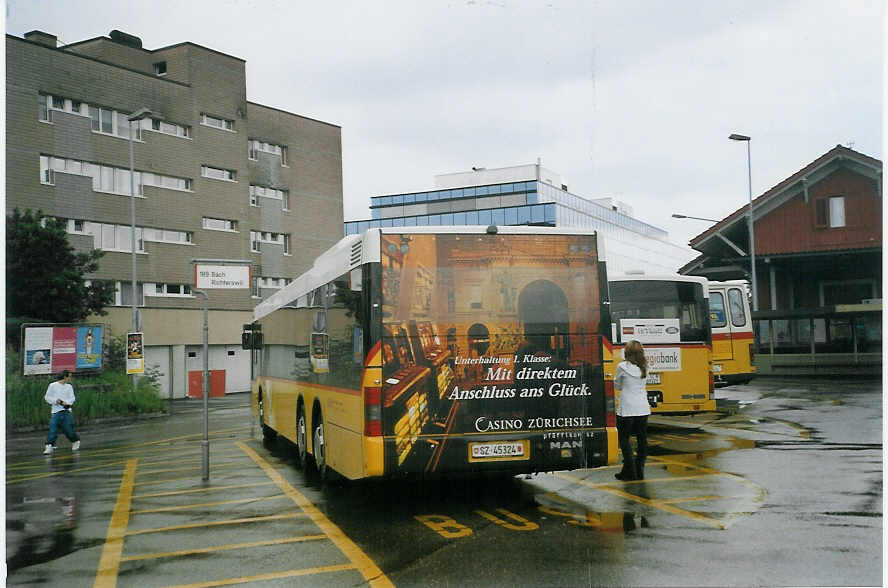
x=662, y=299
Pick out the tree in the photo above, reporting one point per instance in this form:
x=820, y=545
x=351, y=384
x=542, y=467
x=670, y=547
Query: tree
x=45, y=276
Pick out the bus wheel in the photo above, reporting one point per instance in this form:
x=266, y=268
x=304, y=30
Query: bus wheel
x=320, y=449
x=301, y=447
x=268, y=433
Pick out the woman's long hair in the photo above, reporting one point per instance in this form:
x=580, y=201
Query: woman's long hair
x=634, y=354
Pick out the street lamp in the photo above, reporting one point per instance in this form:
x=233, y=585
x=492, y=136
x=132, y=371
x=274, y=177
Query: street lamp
x=711, y=220
x=748, y=140
x=138, y=115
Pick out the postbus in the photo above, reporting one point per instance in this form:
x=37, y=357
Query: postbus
x=669, y=315
x=438, y=350
x=733, y=346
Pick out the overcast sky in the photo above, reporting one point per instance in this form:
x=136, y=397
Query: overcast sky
x=629, y=99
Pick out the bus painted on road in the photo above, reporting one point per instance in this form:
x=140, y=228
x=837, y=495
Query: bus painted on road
x=669, y=315
x=733, y=346
x=440, y=349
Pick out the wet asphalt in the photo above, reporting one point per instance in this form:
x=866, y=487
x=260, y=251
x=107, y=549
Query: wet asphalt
x=782, y=487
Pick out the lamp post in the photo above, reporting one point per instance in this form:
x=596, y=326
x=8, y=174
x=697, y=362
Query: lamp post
x=748, y=140
x=711, y=220
x=136, y=116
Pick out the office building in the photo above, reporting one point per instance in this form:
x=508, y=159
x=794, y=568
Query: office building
x=529, y=195
x=216, y=177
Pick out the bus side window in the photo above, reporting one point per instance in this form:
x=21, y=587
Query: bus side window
x=717, y=309
x=738, y=314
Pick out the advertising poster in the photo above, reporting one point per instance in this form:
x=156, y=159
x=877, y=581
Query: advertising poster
x=135, y=354
x=89, y=347
x=489, y=334
x=38, y=350
x=49, y=349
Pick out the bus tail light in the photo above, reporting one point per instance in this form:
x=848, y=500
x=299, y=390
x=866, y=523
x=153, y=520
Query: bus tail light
x=751, y=353
x=609, y=404
x=711, y=386
x=373, y=411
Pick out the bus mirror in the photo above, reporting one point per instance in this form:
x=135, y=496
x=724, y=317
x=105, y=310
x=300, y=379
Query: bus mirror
x=246, y=340
x=257, y=340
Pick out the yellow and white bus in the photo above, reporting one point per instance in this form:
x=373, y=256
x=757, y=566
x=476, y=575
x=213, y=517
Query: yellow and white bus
x=733, y=346
x=440, y=349
x=669, y=315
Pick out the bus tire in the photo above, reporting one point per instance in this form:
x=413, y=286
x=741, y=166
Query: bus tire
x=301, y=447
x=319, y=448
x=268, y=434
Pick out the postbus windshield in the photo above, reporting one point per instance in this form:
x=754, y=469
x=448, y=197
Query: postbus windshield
x=662, y=299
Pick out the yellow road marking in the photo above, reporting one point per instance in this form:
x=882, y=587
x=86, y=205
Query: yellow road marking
x=652, y=503
x=269, y=576
x=180, y=458
x=365, y=565
x=289, y=515
x=200, y=490
x=663, y=480
x=189, y=506
x=690, y=499
x=227, y=547
x=188, y=469
x=71, y=471
x=109, y=563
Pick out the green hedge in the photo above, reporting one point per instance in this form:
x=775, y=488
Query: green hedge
x=98, y=396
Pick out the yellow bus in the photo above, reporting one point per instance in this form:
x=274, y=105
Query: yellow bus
x=733, y=346
x=439, y=349
x=669, y=315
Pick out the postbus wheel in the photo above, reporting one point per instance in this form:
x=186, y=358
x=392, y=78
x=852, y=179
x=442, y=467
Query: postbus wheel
x=319, y=448
x=301, y=447
x=268, y=434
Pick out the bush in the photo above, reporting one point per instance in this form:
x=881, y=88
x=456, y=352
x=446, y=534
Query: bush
x=98, y=396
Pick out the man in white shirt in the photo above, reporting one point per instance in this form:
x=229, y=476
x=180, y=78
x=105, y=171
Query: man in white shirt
x=60, y=396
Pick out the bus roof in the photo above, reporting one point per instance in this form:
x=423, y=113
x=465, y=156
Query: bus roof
x=352, y=251
x=662, y=278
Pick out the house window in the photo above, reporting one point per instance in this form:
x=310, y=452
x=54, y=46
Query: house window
x=219, y=224
x=168, y=128
x=43, y=112
x=257, y=191
x=160, y=68
x=217, y=173
x=829, y=212
x=175, y=290
x=254, y=146
x=255, y=246
x=214, y=121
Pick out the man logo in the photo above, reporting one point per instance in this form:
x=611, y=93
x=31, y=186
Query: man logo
x=672, y=330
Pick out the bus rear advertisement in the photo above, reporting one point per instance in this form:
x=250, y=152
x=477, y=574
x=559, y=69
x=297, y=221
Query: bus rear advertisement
x=441, y=350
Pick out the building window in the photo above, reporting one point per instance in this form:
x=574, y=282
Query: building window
x=256, y=191
x=829, y=212
x=43, y=111
x=259, y=237
x=160, y=68
x=168, y=128
x=172, y=290
x=219, y=224
x=102, y=119
x=105, y=178
x=219, y=123
x=254, y=146
x=273, y=283
x=217, y=173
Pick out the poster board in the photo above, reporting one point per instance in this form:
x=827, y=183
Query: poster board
x=51, y=348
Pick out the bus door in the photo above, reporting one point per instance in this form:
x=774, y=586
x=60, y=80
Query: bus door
x=722, y=350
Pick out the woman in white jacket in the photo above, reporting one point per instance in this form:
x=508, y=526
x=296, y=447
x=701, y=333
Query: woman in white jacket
x=633, y=410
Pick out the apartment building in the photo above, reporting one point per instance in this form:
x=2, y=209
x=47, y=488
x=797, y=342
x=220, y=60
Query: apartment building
x=215, y=177
x=529, y=195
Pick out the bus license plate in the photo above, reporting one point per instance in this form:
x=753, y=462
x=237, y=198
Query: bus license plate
x=653, y=378
x=498, y=450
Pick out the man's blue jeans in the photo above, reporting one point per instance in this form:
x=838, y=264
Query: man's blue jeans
x=64, y=420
